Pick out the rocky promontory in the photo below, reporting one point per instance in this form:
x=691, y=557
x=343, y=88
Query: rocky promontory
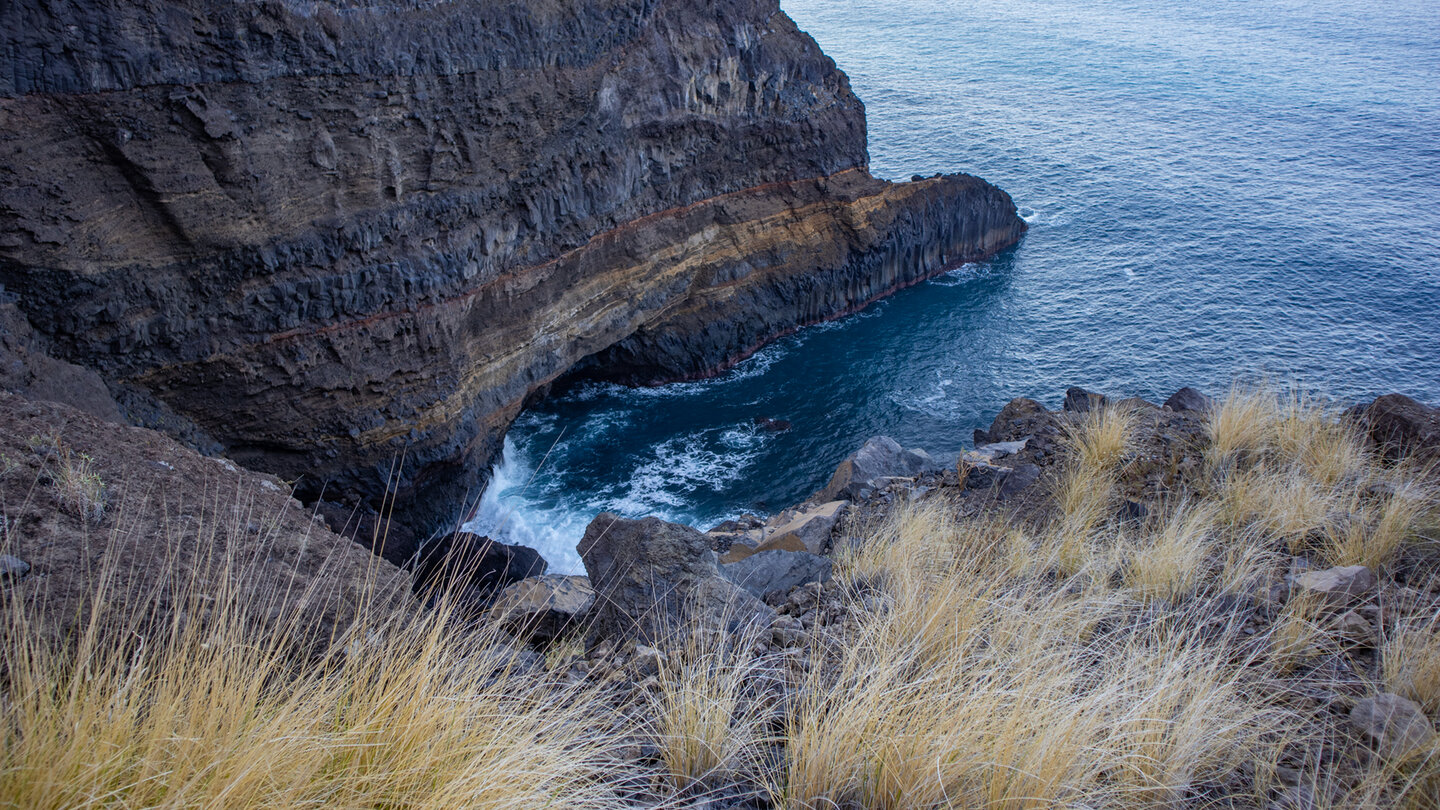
x=344, y=242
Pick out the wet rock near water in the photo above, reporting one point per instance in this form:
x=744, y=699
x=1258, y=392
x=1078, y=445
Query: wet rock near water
x=473, y=561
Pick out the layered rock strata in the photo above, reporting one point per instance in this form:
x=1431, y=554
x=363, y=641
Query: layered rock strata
x=333, y=234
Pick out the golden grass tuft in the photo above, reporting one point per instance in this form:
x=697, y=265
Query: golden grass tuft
x=1411, y=662
x=708, y=718
x=225, y=702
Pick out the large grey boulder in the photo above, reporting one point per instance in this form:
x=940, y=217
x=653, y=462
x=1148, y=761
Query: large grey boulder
x=1338, y=586
x=879, y=458
x=544, y=607
x=1395, y=724
x=654, y=579
x=768, y=571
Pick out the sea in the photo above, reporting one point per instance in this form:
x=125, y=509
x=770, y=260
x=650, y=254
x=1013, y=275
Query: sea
x=1229, y=192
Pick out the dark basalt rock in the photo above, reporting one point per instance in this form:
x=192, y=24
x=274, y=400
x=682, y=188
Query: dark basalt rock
x=1188, y=399
x=654, y=579
x=330, y=238
x=1078, y=400
x=1401, y=426
x=1019, y=418
x=466, y=560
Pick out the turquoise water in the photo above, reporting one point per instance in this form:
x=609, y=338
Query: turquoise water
x=1215, y=190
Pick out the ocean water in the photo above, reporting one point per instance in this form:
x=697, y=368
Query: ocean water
x=1216, y=191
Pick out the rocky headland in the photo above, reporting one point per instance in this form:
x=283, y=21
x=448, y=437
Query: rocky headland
x=343, y=243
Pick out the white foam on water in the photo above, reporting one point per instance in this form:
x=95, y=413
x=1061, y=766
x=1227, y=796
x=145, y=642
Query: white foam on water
x=507, y=515
x=662, y=484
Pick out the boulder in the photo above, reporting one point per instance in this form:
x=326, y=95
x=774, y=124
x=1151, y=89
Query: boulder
x=880, y=457
x=1401, y=427
x=777, y=571
x=1001, y=481
x=1078, y=400
x=1188, y=399
x=544, y=607
x=1136, y=404
x=740, y=551
x=993, y=450
x=1338, y=586
x=1394, y=724
x=1015, y=421
x=653, y=579
x=805, y=528
x=464, y=559
x=13, y=568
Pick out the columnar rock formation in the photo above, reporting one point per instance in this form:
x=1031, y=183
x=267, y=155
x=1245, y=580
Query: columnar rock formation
x=323, y=234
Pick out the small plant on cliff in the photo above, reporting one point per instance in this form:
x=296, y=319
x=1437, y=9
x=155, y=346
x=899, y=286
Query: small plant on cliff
x=78, y=484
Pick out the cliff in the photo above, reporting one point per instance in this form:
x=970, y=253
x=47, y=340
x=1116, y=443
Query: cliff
x=321, y=235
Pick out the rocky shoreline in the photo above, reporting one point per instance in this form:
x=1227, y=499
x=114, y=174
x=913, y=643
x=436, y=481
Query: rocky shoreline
x=800, y=592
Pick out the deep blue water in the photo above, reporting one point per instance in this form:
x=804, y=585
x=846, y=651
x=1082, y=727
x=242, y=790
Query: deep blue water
x=1215, y=190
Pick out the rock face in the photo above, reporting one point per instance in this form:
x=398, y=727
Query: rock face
x=864, y=470
x=85, y=499
x=329, y=233
x=654, y=579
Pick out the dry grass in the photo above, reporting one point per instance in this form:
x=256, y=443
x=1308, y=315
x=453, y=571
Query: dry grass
x=223, y=702
x=972, y=687
x=1411, y=662
x=708, y=717
x=1292, y=470
x=1066, y=658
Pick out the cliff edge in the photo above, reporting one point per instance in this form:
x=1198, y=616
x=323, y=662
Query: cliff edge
x=321, y=235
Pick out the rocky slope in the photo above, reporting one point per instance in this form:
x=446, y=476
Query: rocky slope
x=321, y=235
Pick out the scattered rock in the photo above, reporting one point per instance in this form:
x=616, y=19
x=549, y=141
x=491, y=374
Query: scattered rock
x=1401, y=427
x=1355, y=628
x=776, y=570
x=1078, y=400
x=1395, y=724
x=879, y=458
x=1338, y=586
x=993, y=450
x=13, y=568
x=473, y=560
x=544, y=607
x=653, y=578
x=1188, y=399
